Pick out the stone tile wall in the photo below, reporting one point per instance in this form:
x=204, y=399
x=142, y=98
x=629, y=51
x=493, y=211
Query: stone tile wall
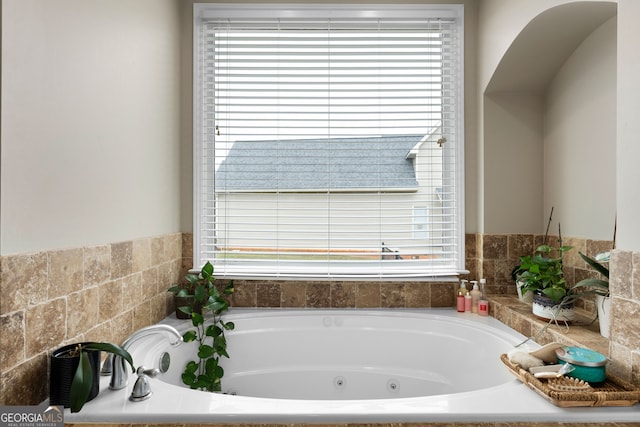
x=624, y=344
x=500, y=254
x=98, y=293
x=106, y=292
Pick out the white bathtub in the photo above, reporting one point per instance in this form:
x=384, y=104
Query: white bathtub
x=337, y=366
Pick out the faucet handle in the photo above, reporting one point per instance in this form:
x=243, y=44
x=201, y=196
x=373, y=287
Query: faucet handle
x=107, y=366
x=148, y=372
x=142, y=389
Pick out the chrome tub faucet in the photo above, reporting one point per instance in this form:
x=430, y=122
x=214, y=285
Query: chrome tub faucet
x=114, y=365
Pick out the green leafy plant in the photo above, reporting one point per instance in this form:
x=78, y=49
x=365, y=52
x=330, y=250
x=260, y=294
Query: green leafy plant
x=543, y=272
x=205, y=373
x=83, y=378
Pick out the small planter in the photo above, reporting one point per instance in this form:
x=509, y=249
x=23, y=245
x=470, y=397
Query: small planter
x=186, y=301
x=527, y=297
x=604, y=312
x=63, y=369
x=545, y=308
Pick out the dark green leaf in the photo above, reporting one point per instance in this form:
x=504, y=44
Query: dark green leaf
x=112, y=348
x=229, y=326
x=184, y=293
x=556, y=294
x=595, y=265
x=601, y=286
x=200, y=293
x=197, y=319
x=203, y=381
x=214, y=293
x=205, y=351
x=191, y=368
x=213, y=331
x=185, y=309
x=81, y=385
x=189, y=336
x=189, y=378
x=218, y=372
x=220, y=342
x=218, y=306
x=192, y=278
x=207, y=270
x=210, y=367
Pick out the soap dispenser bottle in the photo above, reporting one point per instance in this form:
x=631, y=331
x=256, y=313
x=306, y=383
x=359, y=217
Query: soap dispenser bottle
x=483, y=304
x=462, y=291
x=475, y=296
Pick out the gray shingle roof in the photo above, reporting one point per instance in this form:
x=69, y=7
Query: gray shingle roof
x=301, y=165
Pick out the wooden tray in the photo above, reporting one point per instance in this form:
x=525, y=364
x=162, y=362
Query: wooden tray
x=614, y=391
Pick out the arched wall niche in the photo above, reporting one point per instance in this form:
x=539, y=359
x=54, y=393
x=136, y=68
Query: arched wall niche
x=516, y=107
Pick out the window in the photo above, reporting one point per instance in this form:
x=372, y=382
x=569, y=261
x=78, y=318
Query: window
x=420, y=222
x=328, y=140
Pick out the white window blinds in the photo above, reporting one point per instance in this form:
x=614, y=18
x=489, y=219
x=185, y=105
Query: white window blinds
x=328, y=142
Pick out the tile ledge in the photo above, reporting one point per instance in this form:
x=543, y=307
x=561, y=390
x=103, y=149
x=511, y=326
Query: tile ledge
x=514, y=313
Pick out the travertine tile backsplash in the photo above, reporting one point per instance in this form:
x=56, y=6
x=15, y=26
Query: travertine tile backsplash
x=99, y=293
x=106, y=292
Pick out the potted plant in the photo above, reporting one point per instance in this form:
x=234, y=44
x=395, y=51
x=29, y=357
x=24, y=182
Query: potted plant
x=75, y=372
x=542, y=274
x=205, y=373
x=598, y=287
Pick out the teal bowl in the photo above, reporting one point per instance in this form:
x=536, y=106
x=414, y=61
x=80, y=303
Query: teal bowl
x=588, y=365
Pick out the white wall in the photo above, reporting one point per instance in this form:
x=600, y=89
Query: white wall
x=628, y=126
x=530, y=52
x=513, y=152
x=90, y=122
x=580, y=139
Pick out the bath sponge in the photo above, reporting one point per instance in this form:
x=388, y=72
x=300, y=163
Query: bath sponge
x=524, y=359
x=547, y=353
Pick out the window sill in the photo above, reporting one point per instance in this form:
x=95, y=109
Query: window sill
x=517, y=315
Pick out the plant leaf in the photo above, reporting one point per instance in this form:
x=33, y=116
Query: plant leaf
x=602, y=286
x=207, y=270
x=197, y=319
x=210, y=367
x=595, y=264
x=229, y=326
x=175, y=289
x=556, y=294
x=189, y=336
x=191, y=368
x=205, y=351
x=200, y=293
x=81, y=385
x=112, y=348
x=213, y=331
x=189, y=379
